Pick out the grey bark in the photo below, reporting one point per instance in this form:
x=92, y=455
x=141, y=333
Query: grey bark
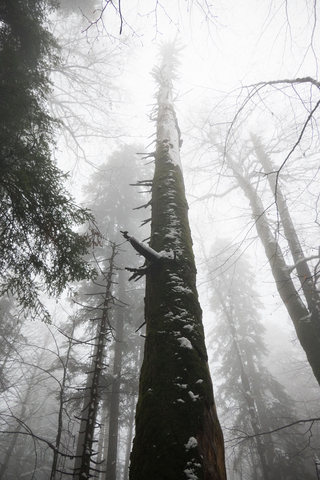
x=308, y=332
x=129, y=438
x=111, y=468
x=85, y=452
x=301, y=264
x=61, y=406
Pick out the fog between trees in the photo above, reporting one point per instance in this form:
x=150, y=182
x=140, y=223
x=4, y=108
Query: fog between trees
x=124, y=126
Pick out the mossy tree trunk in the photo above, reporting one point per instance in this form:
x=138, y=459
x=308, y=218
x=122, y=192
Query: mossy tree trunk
x=178, y=435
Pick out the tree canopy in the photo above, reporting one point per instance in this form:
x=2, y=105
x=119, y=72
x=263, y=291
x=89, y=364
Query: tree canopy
x=37, y=215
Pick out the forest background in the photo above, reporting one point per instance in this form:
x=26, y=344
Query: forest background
x=247, y=79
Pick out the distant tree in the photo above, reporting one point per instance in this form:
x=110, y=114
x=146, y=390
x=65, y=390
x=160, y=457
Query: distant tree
x=78, y=6
x=20, y=419
x=112, y=200
x=37, y=237
x=100, y=314
x=10, y=335
x=251, y=399
x=178, y=435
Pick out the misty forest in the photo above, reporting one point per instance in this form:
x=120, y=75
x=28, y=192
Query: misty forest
x=159, y=240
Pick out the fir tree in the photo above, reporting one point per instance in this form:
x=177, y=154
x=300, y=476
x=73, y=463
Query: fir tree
x=112, y=200
x=37, y=217
x=256, y=400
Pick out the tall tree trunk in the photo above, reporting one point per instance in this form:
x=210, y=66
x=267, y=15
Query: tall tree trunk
x=301, y=265
x=111, y=469
x=84, y=452
x=103, y=436
x=308, y=332
x=178, y=435
x=129, y=438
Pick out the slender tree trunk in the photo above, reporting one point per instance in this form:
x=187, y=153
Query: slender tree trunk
x=61, y=404
x=111, y=469
x=178, y=435
x=129, y=438
x=103, y=436
x=106, y=435
x=308, y=332
x=301, y=265
x=84, y=452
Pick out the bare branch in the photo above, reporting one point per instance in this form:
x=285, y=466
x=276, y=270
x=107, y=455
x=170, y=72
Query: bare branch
x=246, y=436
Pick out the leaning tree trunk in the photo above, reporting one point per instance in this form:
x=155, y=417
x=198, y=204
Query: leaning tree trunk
x=84, y=452
x=300, y=262
x=178, y=435
x=308, y=331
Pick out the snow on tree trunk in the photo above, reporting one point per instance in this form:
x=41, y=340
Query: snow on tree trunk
x=178, y=435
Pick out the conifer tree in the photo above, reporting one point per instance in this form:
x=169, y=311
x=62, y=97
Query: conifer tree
x=112, y=200
x=256, y=400
x=178, y=436
x=37, y=216
x=85, y=454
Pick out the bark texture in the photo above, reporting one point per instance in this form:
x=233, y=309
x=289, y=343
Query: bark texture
x=305, y=276
x=178, y=435
x=308, y=331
